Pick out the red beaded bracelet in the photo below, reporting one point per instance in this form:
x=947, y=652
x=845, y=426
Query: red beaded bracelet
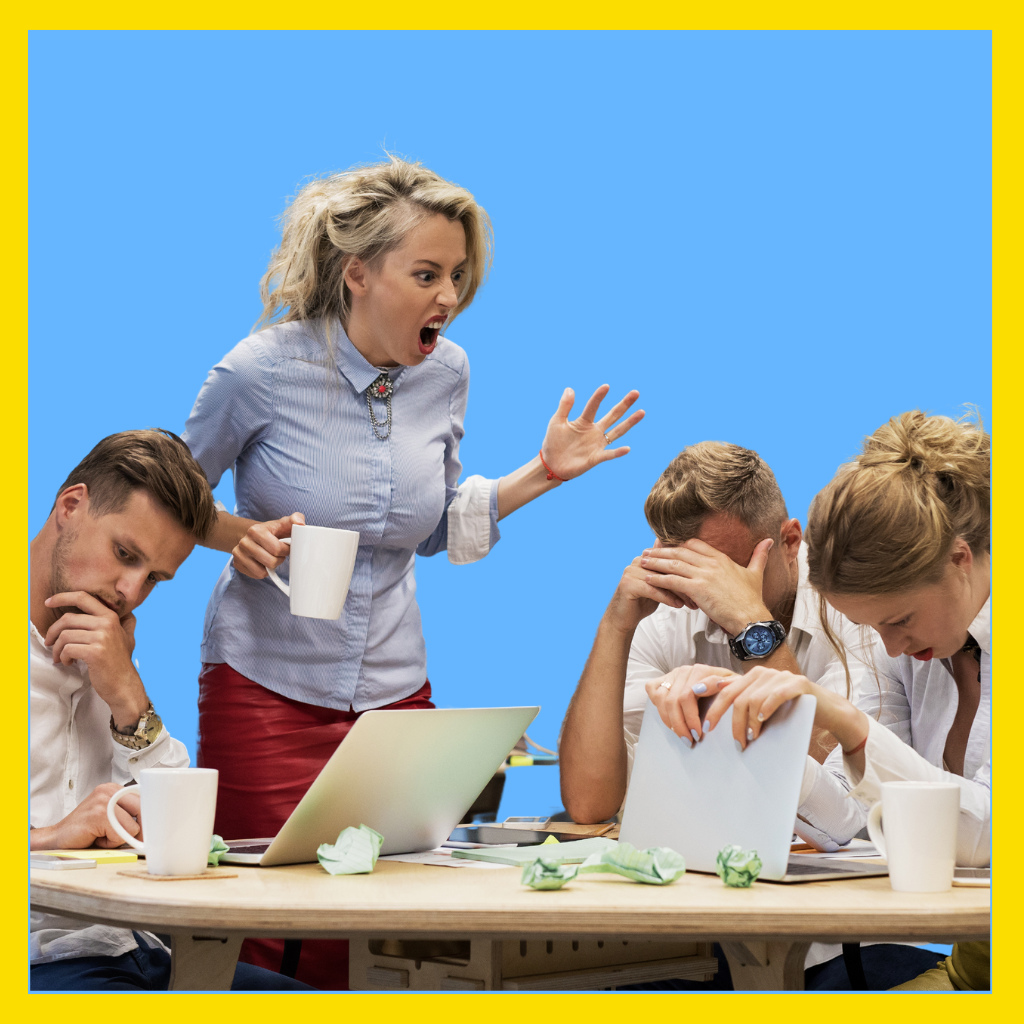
x=857, y=749
x=551, y=472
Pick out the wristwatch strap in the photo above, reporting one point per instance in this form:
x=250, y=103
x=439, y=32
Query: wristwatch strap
x=145, y=732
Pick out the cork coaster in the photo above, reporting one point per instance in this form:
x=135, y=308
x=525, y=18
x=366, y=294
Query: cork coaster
x=143, y=873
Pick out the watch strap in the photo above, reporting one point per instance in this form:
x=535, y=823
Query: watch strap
x=144, y=733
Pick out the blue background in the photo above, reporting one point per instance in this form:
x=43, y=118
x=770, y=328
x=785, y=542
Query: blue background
x=781, y=239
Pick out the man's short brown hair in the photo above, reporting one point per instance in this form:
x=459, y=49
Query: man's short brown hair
x=711, y=477
x=152, y=460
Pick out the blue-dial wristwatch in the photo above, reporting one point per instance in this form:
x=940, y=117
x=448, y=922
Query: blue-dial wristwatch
x=758, y=640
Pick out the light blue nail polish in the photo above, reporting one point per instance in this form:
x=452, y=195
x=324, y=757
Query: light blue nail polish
x=750, y=733
x=739, y=746
x=695, y=735
x=700, y=688
x=707, y=725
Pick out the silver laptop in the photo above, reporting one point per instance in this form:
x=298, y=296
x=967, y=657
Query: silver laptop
x=409, y=774
x=698, y=800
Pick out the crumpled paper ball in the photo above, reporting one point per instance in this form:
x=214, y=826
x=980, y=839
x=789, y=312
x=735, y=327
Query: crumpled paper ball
x=354, y=853
x=738, y=867
x=217, y=850
x=655, y=866
x=547, y=874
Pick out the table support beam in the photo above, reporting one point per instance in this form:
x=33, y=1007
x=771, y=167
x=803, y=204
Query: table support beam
x=766, y=966
x=203, y=963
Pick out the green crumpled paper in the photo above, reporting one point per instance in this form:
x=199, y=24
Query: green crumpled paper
x=738, y=867
x=548, y=874
x=657, y=866
x=217, y=850
x=354, y=853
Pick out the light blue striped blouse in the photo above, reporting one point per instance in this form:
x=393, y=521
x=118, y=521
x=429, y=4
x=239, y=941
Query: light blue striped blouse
x=298, y=438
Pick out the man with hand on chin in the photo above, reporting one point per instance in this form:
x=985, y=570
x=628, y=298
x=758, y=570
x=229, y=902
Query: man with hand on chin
x=724, y=587
x=123, y=521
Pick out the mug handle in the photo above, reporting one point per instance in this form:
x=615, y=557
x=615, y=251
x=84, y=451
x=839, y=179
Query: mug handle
x=112, y=818
x=875, y=827
x=283, y=587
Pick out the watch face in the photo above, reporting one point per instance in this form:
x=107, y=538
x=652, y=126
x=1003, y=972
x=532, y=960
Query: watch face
x=759, y=641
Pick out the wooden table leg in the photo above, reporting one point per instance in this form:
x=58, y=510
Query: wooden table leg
x=203, y=963
x=766, y=966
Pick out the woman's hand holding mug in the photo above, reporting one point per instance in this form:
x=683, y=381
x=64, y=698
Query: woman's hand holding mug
x=262, y=547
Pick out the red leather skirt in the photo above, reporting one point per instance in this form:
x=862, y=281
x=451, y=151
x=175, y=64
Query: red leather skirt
x=268, y=750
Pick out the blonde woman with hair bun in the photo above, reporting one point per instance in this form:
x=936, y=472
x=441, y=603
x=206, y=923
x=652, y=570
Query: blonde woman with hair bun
x=899, y=542
x=345, y=409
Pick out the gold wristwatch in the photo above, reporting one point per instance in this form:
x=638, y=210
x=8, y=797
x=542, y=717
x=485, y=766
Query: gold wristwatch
x=142, y=734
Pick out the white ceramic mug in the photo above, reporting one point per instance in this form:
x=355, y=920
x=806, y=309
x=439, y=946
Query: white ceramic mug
x=914, y=826
x=320, y=570
x=178, y=805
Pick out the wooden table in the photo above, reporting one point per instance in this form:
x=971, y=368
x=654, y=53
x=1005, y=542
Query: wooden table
x=765, y=930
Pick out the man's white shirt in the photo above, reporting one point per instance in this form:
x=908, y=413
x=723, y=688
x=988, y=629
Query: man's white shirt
x=73, y=752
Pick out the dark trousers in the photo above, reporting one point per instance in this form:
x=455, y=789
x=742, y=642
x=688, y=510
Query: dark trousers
x=146, y=969
x=885, y=966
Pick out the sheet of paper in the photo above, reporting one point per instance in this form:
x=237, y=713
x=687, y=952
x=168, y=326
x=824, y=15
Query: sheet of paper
x=439, y=858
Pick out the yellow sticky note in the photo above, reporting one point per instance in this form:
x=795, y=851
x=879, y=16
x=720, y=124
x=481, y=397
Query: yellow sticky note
x=549, y=841
x=100, y=856
x=520, y=761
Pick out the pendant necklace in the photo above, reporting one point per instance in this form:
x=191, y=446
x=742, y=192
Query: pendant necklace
x=381, y=388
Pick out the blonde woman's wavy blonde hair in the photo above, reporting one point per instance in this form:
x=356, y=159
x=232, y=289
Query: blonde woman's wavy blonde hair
x=887, y=521
x=364, y=212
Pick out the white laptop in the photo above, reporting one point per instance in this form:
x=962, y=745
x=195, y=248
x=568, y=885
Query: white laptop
x=698, y=800
x=409, y=774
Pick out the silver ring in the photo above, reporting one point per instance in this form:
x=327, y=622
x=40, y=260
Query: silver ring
x=665, y=685
x=607, y=439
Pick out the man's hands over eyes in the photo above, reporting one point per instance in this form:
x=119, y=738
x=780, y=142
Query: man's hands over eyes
x=96, y=636
x=700, y=576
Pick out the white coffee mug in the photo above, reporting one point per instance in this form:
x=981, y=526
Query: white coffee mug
x=178, y=806
x=320, y=570
x=914, y=826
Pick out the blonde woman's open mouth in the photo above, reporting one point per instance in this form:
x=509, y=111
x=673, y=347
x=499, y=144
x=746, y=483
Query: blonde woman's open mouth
x=429, y=333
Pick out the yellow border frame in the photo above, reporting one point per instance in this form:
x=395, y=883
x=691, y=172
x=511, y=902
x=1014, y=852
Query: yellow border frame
x=598, y=15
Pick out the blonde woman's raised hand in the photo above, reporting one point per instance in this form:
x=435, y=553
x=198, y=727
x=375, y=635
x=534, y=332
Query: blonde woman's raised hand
x=571, y=447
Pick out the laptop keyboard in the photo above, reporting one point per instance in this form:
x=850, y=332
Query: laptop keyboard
x=795, y=867
x=255, y=848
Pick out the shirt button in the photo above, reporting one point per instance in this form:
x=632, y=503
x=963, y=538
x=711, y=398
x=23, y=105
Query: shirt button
x=71, y=783
x=132, y=760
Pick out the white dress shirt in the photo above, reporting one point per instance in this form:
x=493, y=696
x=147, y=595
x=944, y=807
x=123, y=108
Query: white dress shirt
x=73, y=752
x=910, y=710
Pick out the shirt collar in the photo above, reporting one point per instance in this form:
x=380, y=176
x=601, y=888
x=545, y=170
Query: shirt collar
x=352, y=365
x=805, y=610
x=981, y=627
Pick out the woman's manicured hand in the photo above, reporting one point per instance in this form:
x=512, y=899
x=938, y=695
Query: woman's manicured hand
x=261, y=548
x=675, y=696
x=570, y=448
x=757, y=695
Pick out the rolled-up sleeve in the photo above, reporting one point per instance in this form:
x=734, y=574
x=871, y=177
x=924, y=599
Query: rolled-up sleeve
x=233, y=410
x=469, y=527
x=164, y=752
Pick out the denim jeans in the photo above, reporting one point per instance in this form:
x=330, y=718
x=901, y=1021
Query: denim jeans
x=146, y=969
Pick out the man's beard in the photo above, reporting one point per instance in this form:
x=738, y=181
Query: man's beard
x=60, y=582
